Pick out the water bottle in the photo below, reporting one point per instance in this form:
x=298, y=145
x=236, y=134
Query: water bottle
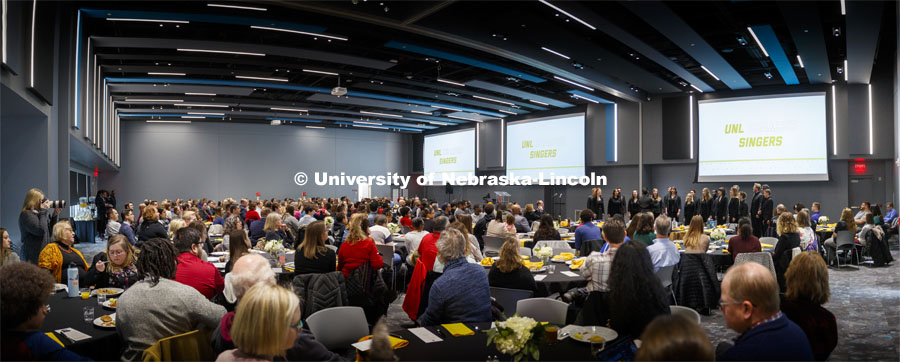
x=72, y=283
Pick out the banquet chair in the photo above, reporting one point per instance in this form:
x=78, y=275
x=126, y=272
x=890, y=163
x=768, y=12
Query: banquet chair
x=768, y=240
x=762, y=258
x=535, y=224
x=665, y=277
x=689, y=313
x=543, y=310
x=404, y=229
x=338, y=327
x=558, y=246
x=492, y=245
x=590, y=246
x=508, y=298
x=845, y=241
x=333, y=248
x=190, y=346
x=728, y=237
x=387, y=256
x=525, y=251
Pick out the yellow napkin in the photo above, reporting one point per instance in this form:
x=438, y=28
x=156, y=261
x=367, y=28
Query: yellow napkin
x=564, y=256
x=832, y=225
x=396, y=343
x=726, y=251
x=458, y=329
x=524, y=257
x=487, y=261
x=767, y=245
x=577, y=264
x=721, y=226
x=678, y=245
x=53, y=337
x=521, y=242
x=533, y=265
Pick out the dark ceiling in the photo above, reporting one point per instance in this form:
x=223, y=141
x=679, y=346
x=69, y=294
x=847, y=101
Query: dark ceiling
x=495, y=57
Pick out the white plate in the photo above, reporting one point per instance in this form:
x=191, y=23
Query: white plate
x=218, y=253
x=541, y=270
x=116, y=291
x=569, y=262
x=108, y=304
x=584, y=333
x=99, y=323
x=57, y=287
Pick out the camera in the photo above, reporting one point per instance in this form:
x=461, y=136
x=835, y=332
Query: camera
x=57, y=204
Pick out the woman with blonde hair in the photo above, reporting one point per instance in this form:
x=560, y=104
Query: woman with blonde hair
x=846, y=224
x=274, y=227
x=7, y=255
x=807, y=235
x=508, y=271
x=116, y=266
x=807, y=291
x=788, y=239
x=266, y=324
x=174, y=226
x=734, y=204
x=463, y=223
x=359, y=247
x=695, y=241
x=312, y=255
x=706, y=205
x=57, y=256
x=35, y=221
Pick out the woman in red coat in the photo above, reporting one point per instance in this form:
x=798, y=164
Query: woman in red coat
x=359, y=247
x=427, y=253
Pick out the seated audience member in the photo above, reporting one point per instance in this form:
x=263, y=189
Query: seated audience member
x=846, y=224
x=641, y=228
x=413, y=238
x=248, y=271
x=876, y=213
x=546, y=230
x=635, y=294
x=358, y=249
x=405, y=220
x=428, y=217
x=598, y=265
x=870, y=227
x=192, y=270
x=806, y=231
x=157, y=306
x=814, y=217
x=745, y=241
x=807, y=291
x=426, y=259
x=379, y=232
x=339, y=227
x=58, y=255
x=174, y=226
x=257, y=228
x=750, y=306
x=788, y=239
x=274, y=228
x=112, y=223
x=7, y=255
x=24, y=293
x=510, y=223
x=312, y=256
x=266, y=323
x=891, y=214
x=218, y=216
x=481, y=226
x=521, y=223
x=150, y=226
x=251, y=213
x=189, y=217
x=587, y=231
x=674, y=338
x=530, y=215
x=663, y=252
x=463, y=224
x=508, y=271
x=121, y=271
x=462, y=293
x=497, y=226
x=126, y=228
x=239, y=246
x=860, y=217
x=695, y=241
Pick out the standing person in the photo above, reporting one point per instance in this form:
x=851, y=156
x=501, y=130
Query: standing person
x=656, y=204
x=766, y=210
x=690, y=208
x=743, y=209
x=673, y=205
x=734, y=205
x=104, y=201
x=616, y=205
x=755, y=205
x=645, y=202
x=595, y=202
x=706, y=205
x=721, y=207
x=634, y=206
x=35, y=221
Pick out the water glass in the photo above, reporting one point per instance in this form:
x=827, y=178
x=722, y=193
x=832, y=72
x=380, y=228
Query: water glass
x=596, y=347
x=101, y=298
x=551, y=268
x=88, y=314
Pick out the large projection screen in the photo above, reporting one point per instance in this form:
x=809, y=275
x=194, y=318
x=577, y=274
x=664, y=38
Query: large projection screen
x=549, y=146
x=765, y=138
x=449, y=154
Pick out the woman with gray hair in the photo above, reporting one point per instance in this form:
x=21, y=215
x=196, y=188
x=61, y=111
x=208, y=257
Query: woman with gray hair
x=462, y=294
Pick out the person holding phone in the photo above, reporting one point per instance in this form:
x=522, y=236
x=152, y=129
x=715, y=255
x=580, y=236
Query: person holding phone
x=35, y=221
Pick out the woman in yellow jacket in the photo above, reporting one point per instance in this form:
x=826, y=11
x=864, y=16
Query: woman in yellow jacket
x=57, y=256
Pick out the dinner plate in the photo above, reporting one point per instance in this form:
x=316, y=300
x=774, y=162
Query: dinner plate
x=57, y=287
x=110, y=292
x=570, y=261
x=218, y=253
x=541, y=270
x=111, y=324
x=108, y=303
x=585, y=333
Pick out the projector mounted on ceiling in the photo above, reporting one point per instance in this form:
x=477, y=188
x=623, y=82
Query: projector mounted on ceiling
x=338, y=91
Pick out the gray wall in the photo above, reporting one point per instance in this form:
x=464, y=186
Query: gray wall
x=219, y=160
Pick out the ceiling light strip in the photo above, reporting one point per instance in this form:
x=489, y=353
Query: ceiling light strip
x=236, y=7
x=164, y=73
x=691, y=123
x=585, y=98
x=420, y=112
x=539, y=102
x=261, y=78
x=467, y=119
x=201, y=105
x=846, y=71
x=439, y=123
x=150, y=20
x=319, y=72
x=381, y=114
x=289, y=109
x=800, y=60
x=616, y=132
x=695, y=87
x=493, y=100
x=843, y=8
x=710, y=73
x=365, y=122
x=447, y=108
x=165, y=121
x=206, y=114
x=753, y=34
x=300, y=32
x=573, y=83
x=555, y=52
x=200, y=94
x=569, y=15
x=871, y=123
x=201, y=117
x=833, y=121
x=450, y=82
x=31, y=68
x=219, y=51
x=153, y=100
x=508, y=112
x=315, y=127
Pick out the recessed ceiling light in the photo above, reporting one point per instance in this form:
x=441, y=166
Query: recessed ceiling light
x=219, y=51
x=299, y=32
x=450, y=82
x=262, y=78
x=236, y=7
x=555, y=52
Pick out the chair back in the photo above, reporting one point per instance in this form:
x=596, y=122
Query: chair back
x=507, y=298
x=768, y=240
x=535, y=224
x=665, y=275
x=332, y=247
x=689, y=313
x=338, y=327
x=543, y=310
x=558, y=246
x=794, y=252
x=762, y=258
x=404, y=229
x=589, y=246
x=525, y=251
x=492, y=245
x=728, y=237
x=190, y=346
x=216, y=230
x=387, y=254
x=844, y=238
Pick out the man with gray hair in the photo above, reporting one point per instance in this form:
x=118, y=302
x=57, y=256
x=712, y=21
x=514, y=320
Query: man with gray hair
x=462, y=294
x=663, y=252
x=247, y=271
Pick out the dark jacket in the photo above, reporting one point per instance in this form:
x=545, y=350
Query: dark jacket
x=616, y=206
x=695, y=283
x=554, y=235
x=481, y=228
x=36, y=228
x=517, y=279
x=744, y=211
x=151, y=229
x=734, y=209
x=634, y=206
x=645, y=204
x=778, y=340
x=324, y=262
x=722, y=210
x=817, y=322
x=707, y=208
x=782, y=256
x=320, y=291
x=337, y=230
x=755, y=205
x=768, y=208
x=596, y=206
x=532, y=217
x=461, y=295
x=690, y=210
x=256, y=230
x=673, y=205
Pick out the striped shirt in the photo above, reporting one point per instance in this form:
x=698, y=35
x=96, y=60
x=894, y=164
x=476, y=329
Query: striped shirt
x=596, y=270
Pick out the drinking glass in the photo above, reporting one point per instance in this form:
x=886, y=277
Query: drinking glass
x=85, y=293
x=551, y=333
x=596, y=347
x=101, y=298
x=88, y=314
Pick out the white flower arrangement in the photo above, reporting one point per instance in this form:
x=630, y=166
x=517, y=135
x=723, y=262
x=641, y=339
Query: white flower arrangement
x=274, y=247
x=394, y=228
x=717, y=234
x=329, y=220
x=517, y=336
x=543, y=252
x=823, y=220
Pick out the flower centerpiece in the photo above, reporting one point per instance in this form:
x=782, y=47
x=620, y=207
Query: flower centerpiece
x=823, y=220
x=274, y=247
x=329, y=221
x=394, y=228
x=717, y=234
x=544, y=253
x=518, y=337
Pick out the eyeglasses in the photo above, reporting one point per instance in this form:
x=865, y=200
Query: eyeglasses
x=298, y=326
x=117, y=252
x=723, y=304
x=46, y=309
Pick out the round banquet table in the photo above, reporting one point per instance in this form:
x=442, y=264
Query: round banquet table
x=475, y=348
x=556, y=281
x=65, y=312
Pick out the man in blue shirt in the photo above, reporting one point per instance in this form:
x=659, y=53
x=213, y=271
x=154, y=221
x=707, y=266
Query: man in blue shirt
x=663, y=252
x=462, y=294
x=587, y=230
x=751, y=306
x=126, y=229
x=890, y=215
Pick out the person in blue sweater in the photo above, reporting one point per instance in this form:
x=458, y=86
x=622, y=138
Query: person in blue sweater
x=462, y=294
x=587, y=230
x=24, y=292
x=751, y=307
